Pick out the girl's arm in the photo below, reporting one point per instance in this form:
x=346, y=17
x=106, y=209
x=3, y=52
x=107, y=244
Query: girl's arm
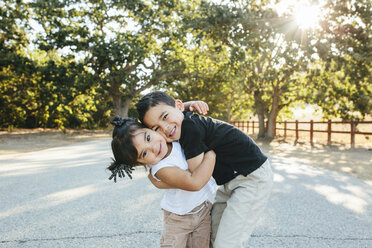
x=192, y=165
x=158, y=184
x=187, y=180
x=199, y=106
x=195, y=162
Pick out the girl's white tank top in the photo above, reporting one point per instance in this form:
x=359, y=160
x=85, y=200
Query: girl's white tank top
x=180, y=201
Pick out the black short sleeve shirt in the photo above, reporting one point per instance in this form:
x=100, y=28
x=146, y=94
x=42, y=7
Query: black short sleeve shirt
x=236, y=152
x=191, y=136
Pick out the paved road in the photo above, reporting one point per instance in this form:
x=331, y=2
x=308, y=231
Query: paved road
x=61, y=197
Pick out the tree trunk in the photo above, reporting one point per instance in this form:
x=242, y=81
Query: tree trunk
x=126, y=105
x=261, y=125
x=121, y=108
x=270, y=133
x=116, y=99
x=260, y=108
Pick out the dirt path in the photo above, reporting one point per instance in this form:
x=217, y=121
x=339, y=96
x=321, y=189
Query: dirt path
x=356, y=162
x=26, y=140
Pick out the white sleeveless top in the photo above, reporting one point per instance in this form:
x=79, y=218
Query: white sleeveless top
x=180, y=201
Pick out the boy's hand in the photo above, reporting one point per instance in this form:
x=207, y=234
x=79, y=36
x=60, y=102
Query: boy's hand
x=199, y=106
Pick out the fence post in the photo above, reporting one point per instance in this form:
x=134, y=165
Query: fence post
x=285, y=129
x=252, y=127
x=296, y=132
x=329, y=132
x=248, y=126
x=311, y=132
x=352, y=133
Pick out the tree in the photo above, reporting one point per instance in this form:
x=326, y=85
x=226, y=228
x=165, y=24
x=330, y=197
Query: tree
x=342, y=75
x=272, y=56
x=128, y=45
x=39, y=88
x=263, y=57
x=206, y=78
x=15, y=66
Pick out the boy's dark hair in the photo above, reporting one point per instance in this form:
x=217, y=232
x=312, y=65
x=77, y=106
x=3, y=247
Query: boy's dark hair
x=151, y=100
x=125, y=153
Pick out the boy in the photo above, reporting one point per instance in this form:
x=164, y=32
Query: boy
x=241, y=167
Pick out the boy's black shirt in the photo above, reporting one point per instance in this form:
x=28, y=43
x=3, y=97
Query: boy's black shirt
x=236, y=153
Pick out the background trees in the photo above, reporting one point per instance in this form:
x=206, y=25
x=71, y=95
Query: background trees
x=75, y=64
x=263, y=58
x=128, y=45
x=341, y=77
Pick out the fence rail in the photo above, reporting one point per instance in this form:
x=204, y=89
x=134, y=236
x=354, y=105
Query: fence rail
x=323, y=127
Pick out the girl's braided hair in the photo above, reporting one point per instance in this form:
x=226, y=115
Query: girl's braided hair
x=125, y=153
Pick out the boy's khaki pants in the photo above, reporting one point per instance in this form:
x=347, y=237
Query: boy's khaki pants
x=190, y=230
x=238, y=206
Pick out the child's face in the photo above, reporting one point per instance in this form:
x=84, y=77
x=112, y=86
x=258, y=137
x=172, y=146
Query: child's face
x=166, y=120
x=151, y=146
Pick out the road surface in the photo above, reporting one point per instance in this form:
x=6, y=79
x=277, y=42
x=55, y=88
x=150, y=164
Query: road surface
x=61, y=197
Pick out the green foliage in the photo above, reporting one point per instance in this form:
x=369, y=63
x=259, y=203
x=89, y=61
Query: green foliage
x=47, y=92
x=270, y=56
x=128, y=45
x=255, y=64
x=338, y=93
x=342, y=77
x=76, y=63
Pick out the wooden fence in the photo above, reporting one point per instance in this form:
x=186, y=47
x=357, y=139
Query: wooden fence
x=312, y=127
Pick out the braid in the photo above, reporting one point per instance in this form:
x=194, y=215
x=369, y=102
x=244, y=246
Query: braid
x=123, y=149
x=118, y=122
x=118, y=169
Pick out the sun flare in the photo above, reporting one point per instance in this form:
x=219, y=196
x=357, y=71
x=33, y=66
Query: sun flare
x=306, y=16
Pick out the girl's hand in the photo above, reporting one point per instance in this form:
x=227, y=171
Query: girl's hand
x=158, y=184
x=199, y=106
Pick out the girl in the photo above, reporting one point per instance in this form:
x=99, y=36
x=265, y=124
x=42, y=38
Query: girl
x=185, y=202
